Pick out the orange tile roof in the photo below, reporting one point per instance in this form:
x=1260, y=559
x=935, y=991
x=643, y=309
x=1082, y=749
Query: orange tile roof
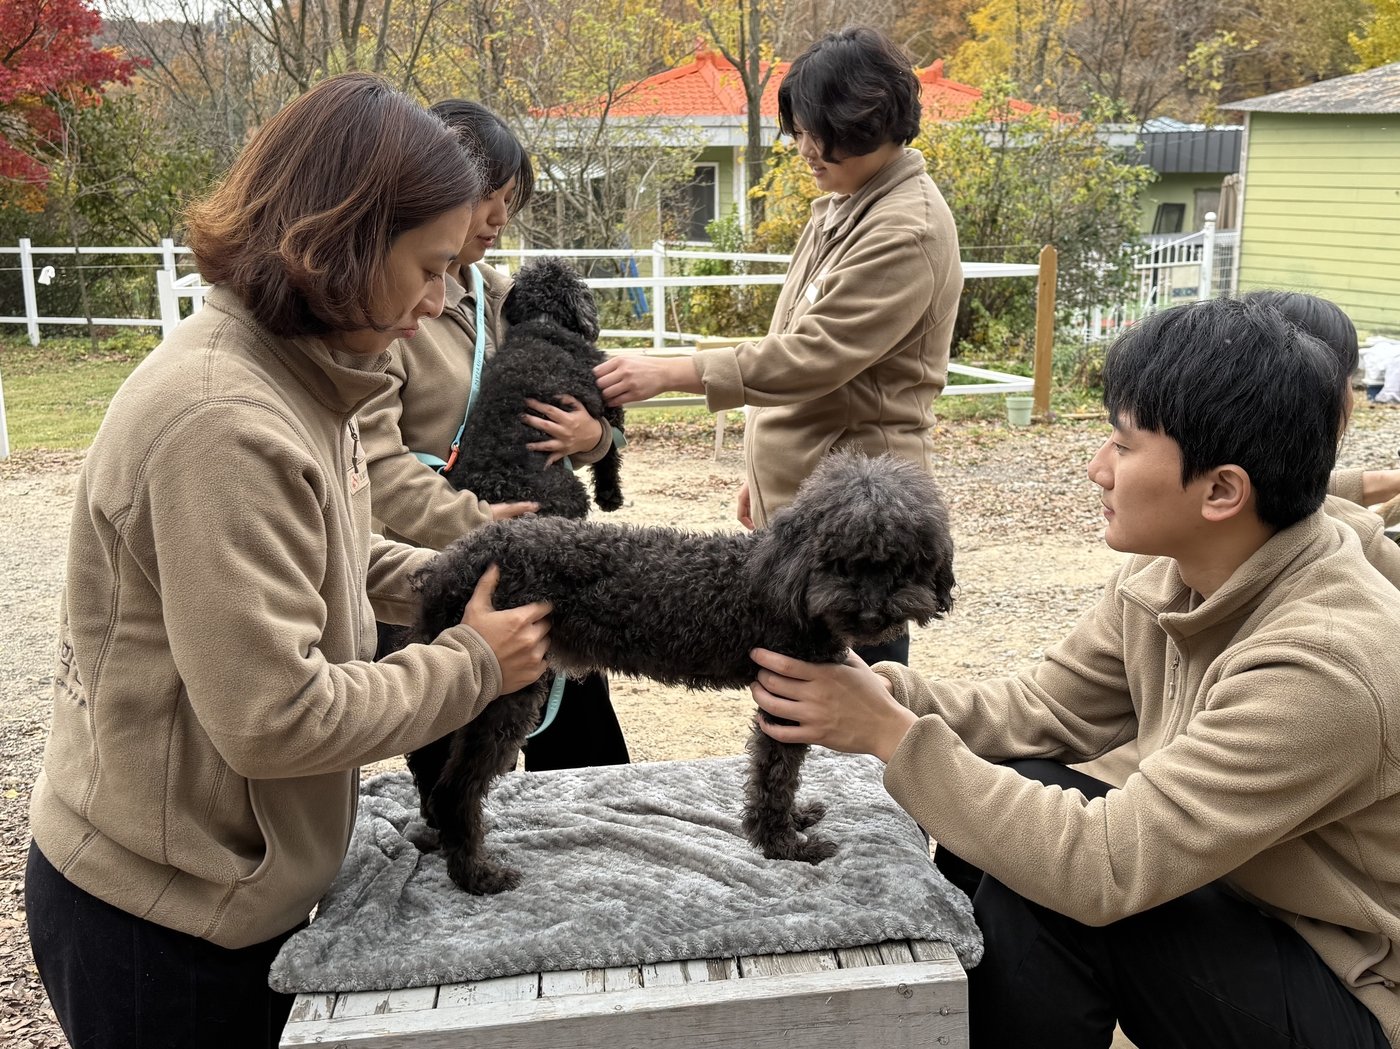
x=710, y=86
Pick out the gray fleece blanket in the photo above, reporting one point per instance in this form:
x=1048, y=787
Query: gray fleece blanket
x=622, y=865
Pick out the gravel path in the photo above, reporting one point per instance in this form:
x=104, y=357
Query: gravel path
x=1026, y=522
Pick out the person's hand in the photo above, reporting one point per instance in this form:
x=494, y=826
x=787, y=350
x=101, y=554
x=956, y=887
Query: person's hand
x=568, y=425
x=744, y=510
x=626, y=380
x=505, y=511
x=518, y=636
x=842, y=706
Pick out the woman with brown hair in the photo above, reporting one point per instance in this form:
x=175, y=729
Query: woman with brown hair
x=215, y=691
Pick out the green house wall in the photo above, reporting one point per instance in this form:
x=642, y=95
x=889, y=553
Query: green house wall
x=1322, y=211
x=1177, y=188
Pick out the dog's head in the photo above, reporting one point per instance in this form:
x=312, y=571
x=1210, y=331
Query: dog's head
x=548, y=288
x=864, y=548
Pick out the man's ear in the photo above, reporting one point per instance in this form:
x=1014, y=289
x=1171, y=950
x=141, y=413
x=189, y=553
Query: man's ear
x=1228, y=493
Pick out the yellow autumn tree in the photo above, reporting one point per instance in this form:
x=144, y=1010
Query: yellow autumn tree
x=1379, y=42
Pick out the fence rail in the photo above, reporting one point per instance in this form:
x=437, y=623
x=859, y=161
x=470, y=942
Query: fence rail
x=178, y=295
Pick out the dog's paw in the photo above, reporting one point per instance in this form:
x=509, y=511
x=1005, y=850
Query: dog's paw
x=484, y=877
x=804, y=816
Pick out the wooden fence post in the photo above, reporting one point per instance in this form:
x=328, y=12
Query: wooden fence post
x=1044, y=327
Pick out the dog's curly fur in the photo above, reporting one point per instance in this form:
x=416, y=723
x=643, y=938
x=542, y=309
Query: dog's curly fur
x=548, y=351
x=863, y=549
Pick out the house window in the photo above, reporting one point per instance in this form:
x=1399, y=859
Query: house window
x=702, y=197
x=1207, y=200
x=1169, y=219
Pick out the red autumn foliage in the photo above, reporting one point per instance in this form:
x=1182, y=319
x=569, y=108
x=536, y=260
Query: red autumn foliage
x=47, y=56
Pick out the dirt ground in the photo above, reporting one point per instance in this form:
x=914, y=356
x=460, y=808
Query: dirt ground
x=1029, y=559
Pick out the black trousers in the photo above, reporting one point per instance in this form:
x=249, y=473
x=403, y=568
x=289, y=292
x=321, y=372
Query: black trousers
x=584, y=732
x=117, y=981
x=1206, y=971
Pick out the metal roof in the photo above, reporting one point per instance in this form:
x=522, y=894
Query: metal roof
x=1205, y=150
x=1374, y=91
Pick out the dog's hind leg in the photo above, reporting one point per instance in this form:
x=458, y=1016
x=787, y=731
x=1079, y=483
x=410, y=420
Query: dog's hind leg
x=478, y=750
x=772, y=820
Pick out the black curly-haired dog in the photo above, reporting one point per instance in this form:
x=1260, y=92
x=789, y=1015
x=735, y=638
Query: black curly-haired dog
x=548, y=351
x=864, y=548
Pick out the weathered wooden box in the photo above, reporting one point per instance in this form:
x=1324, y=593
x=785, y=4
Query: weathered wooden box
x=891, y=995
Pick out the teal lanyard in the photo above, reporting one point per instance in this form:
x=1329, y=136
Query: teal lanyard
x=478, y=289
x=556, y=693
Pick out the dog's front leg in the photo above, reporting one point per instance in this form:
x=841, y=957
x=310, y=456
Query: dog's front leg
x=772, y=820
x=426, y=764
x=479, y=749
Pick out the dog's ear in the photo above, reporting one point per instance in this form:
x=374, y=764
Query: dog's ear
x=781, y=564
x=585, y=310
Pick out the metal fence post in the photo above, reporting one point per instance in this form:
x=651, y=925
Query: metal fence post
x=1206, y=289
x=31, y=300
x=658, y=296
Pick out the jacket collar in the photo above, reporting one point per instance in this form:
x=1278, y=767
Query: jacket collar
x=1162, y=592
x=342, y=382
x=848, y=211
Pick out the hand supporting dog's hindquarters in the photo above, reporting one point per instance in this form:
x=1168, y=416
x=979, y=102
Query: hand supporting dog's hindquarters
x=518, y=636
x=841, y=706
x=567, y=427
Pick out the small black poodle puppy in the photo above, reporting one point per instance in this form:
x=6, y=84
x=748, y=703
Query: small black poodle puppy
x=864, y=548
x=548, y=351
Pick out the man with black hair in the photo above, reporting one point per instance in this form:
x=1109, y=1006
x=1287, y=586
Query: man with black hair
x=1243, y=887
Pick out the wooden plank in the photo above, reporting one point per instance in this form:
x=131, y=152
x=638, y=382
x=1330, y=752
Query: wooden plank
x=932, y=951
x=371, y=1003
x=856, y=957
x=522, y=988
x=918, y=1004
x=572, y=981
x=672, y=974
x=894, y=952
x=788, y=964
x=312, y=1007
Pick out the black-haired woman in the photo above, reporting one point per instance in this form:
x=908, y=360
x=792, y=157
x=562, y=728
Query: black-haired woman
x=857, y=349
x=410, y=426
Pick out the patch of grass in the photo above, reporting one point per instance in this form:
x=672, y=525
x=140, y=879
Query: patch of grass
x=56, y=393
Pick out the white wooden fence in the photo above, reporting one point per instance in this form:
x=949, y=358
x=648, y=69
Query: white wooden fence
x=651, y=274
x=1169, y=270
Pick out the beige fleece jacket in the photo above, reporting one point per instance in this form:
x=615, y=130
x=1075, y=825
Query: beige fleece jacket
x=1269, y=721
x=857, y=349
x=214, y=692
x=430, y=379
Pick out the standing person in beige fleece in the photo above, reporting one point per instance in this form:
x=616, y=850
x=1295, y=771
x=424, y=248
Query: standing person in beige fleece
x=857, y=349
x=410, y=426
x=1242, y=888
x=215, y=691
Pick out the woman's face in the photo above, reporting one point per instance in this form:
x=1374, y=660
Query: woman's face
x=413, y=277
x=843, y=174
x=489, y=219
